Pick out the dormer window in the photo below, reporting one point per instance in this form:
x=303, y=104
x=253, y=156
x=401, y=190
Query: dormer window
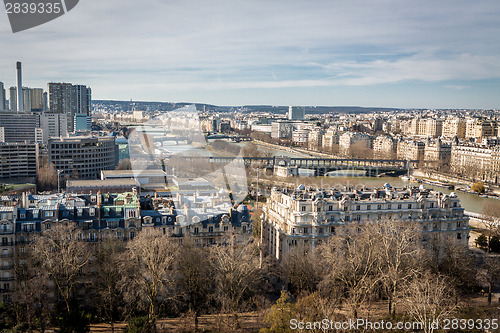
x=49, y=213
x=92, y=211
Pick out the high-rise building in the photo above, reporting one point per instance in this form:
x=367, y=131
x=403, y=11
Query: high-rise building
x=53, y=125
x=36, y=96
x=13, y=99
x=69, y=99
x=2, y=98
x=21, y=127
x=32, y=99
x=296, y=113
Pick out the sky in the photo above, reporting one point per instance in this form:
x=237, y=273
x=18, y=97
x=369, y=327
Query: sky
x=386, y=53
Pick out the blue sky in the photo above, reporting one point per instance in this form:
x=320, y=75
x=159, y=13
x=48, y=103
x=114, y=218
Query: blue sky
x=388, y=53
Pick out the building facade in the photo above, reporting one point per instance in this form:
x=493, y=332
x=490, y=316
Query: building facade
x=83, y=157
x=309, y=217
x=18, y=160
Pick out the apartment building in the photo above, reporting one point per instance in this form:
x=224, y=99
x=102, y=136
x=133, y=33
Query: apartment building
x=83, y=157
x=384, y=147
x=308, y=217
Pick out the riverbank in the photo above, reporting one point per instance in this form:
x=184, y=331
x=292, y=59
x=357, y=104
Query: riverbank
x=450, y=179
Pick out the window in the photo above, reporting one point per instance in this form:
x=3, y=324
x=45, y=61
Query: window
x=454, y=204
x=306, y=231
x=92, y=211
x=409, y=206
x=244, y=228
x=368, y=207
x=399, y=206
x=303, y=208
x=293, y=230
x=432, y=204
x=358, y=218
x=49, y=213
x=389, y=206
x=211, y=229
x=320, y=231
x=358, y=207
x=379, y=207
x=22, y=215
x=459, y=235
x=422, y=206
x=330, y=208
x=196, y=230
x=80, y=212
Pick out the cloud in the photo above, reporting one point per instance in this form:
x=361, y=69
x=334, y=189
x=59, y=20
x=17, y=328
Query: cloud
x=221, y=44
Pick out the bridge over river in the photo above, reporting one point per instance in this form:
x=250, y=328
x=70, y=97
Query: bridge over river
x=321, y=166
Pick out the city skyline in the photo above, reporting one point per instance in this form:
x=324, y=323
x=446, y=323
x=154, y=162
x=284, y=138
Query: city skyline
x=379, y=54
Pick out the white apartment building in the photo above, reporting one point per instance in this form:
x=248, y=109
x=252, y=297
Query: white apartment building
x=309, y=217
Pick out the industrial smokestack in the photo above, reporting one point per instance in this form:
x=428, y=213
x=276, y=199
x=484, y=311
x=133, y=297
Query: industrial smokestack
x=20, y=101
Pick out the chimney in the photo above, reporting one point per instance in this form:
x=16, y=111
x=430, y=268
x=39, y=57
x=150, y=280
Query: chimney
x=20, y=101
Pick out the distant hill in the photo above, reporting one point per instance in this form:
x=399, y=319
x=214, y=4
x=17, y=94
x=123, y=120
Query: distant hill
x=168, y=106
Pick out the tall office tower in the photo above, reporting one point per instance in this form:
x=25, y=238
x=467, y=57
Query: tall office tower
x=13, y=99
x=26, y=99
x=36, y=96
x=2, y=98
x=296, y=113
x=20, y=103
x=69, y=99
x=53, y=125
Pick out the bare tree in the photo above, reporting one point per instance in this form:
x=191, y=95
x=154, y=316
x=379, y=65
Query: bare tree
x=32, y=291
x=63, y=255
x=47, y=177
x=352, y=259
x=397, y=253
x=302, y=269
x=429, y=298
x=194, y=277
x=147, y=269
x=491, y=221
x=107, y=276
x=236, y=272
x=490, y=274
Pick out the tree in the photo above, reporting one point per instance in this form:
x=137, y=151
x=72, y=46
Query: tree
x=147, y=269
x=491, y=212
x=108, y=297
x=236, y=272
x=482, y=242
x=47, y=177
x=352, y=260
x=429, y=298
x=31, y=294
x=478, y=187
x=302, y=269
x=490, y=274
x=124, y=164
x=398, y=253
x=280, y=315
x=194, y=274
x=63, y=255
